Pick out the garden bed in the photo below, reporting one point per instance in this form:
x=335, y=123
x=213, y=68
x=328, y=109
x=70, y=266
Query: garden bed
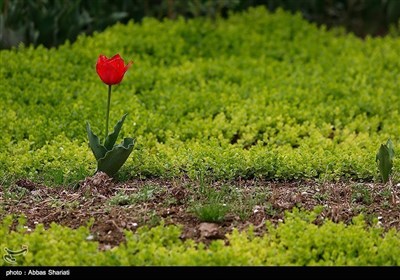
x=205, y=210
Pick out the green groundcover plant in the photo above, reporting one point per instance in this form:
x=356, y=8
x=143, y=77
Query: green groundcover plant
x=296, y=241
x=276, y=99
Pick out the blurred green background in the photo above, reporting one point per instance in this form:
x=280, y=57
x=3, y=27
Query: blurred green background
x=52, y=22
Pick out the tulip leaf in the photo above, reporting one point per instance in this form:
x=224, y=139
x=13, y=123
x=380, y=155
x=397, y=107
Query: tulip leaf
x=98, y=150
x=384, y=158
x=115, y=158
x=112, y=138
x=389, y=144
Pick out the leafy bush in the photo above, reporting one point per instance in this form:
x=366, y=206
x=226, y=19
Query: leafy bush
x=55, y=246
x=51, y=22
x=296, y=241
x=277, y=99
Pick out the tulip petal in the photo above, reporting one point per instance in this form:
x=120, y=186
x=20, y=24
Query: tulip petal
x=117, y=56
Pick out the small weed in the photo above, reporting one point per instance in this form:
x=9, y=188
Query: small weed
x=270, y=210
x=243, y=213
x=155, y=220
x=107, y=209
x=245, y=200
x=121, y=199
x=210, y=203
x=146, y=193
x=213, y=212
x=361, y=194
x=67, y=205
x=210, y=206
x=386, y=193
x=360, y=209
x=56, y=203
x=72, y=205
x=371, y=219
x=321, y=197
x=386, y=204
x=170, y=200
x=152, y=219
x=14, y=193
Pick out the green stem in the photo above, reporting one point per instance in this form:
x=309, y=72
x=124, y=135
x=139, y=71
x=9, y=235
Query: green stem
x=108, y=109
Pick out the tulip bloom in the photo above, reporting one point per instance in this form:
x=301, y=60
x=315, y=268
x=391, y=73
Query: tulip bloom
x=111, y=70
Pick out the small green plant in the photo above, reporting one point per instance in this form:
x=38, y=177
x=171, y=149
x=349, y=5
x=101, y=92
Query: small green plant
x=213, y=212
x=154, y=219
x=14, y=193
x=270, y=209
x=321, y=197
x=386, y=204
x=243, y=206
x=121, y=199
x=243, y=201
x=151, y=218
x=386, y=193
x=384, y=158
x=361, y=194
x=146, y=193
x=210, y=205
x=170, y=200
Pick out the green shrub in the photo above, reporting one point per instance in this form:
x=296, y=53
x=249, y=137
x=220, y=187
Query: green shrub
x=296, y=241
x=277, y=99
x=55, y=246
x=51, y=23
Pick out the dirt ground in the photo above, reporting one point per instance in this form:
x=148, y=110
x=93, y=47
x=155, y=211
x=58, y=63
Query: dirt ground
x=109, y=204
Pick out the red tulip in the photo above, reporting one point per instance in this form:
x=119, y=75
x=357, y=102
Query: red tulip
x=111, y=70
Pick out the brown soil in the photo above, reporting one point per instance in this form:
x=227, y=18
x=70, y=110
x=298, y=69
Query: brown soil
x=172, y=201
